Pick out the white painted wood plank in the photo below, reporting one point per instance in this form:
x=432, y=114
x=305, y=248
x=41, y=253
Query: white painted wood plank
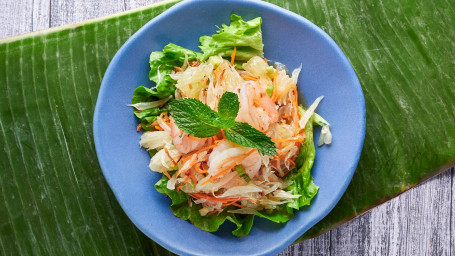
x=15, y=17
x=131, y=4
x=352, y=238
x=316, y=246
x=66, y=12
x=415, y=223
x=452, y=215
x=41, y=14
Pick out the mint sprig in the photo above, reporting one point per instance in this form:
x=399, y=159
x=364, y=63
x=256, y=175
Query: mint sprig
x=194, y=117
x=245, y=135
x=199, y=120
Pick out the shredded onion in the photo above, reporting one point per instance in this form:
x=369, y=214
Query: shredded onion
x=155, y=140
x=306, y=116
x=152, y=104
x=326, y=136
x=295, y=74
x=241, y=190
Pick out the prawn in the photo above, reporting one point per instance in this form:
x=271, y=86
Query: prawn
x=256, y=107
x=252, y=164
x=184, y=142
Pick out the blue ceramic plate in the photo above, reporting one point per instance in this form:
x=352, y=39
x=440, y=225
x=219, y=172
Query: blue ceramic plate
x=288, y=38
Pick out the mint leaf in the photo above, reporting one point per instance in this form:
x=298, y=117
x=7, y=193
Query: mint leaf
x=199, y=120
x=229, y=104
x=194, y=117
x=245, y=135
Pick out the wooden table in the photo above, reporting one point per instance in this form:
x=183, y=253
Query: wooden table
x=418, y=222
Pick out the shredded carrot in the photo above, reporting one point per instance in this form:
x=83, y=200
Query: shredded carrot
x=249, y=153
x=191, y=164
x=198, y=169
x=139, y=127
x=292, y=162
x=220, y=173
x=170, y=157
x=246, y=77
x=285, y=91
x=212, y=212
x=275, y=90
x=233, y=55
x=187, y=158
x=225, y=200
x=185, y=181
x=190, y=86
x=284, y=140
x=193, y=178
x=249, y=199
x=159, y=128
x=206, y=148
x=265, y=60
x=270, y=178
x=238, y=205
x=165, y=172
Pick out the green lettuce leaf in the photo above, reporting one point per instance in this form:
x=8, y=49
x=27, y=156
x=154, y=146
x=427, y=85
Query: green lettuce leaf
x=148, y=116
x=181, y=208
x=162, y=64
x=278, y=215
x=302, y=182
x=246, y=36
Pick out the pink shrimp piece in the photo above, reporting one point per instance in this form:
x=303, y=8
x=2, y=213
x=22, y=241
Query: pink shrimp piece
x=252, y=164
x=256, y=107
x=183, y=142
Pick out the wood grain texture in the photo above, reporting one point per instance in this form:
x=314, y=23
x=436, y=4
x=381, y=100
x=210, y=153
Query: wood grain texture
x=419, y=222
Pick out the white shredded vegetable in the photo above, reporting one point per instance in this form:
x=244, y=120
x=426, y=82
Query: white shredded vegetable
x=295, y=75
x=155, y=140
x=326, y=136
x=161, y=160
x=152, y=104
x=241, y=190
x=307, y=115
x=193, y=80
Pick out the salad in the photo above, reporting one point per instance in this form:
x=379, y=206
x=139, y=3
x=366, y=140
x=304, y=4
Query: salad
x=225, y=130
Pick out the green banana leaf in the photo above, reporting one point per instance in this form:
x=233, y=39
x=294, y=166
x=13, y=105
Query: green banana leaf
x=54, y=199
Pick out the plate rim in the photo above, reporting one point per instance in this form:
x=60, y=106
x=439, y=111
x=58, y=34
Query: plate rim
x=251, y=3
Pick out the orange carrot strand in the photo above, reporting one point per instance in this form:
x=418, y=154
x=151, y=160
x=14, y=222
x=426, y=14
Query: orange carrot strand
x=193, y=178
x=170, y=157
x=199, y=170
x=250, y=78
x=233, y=55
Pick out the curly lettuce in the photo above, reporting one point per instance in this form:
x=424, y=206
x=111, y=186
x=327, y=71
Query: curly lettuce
x=246, y=36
